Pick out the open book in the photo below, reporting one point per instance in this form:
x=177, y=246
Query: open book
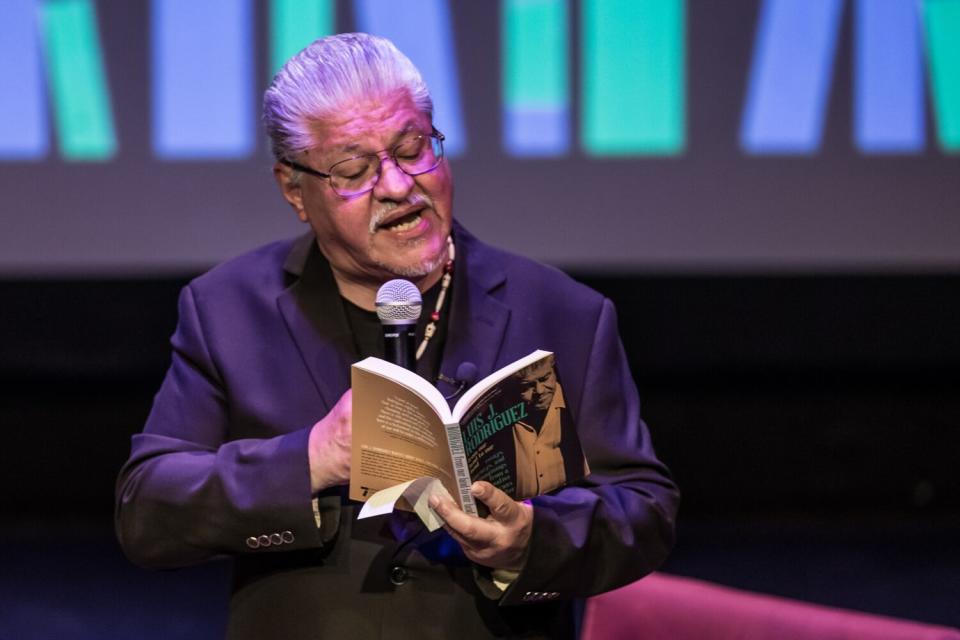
x=511, y=429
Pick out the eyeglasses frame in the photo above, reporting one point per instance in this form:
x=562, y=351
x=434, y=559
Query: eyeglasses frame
x=434, y=133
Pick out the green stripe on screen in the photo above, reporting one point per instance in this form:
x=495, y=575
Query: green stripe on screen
x=77, y=80
x=535, y=52
x=633, y=70
x=942, y=29
x=296, y=23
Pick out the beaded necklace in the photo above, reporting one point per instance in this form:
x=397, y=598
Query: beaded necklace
x=444, y=285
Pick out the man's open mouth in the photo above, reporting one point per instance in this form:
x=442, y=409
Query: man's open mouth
x=403, y=223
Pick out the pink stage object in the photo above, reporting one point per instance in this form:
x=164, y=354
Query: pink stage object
x=665, y=607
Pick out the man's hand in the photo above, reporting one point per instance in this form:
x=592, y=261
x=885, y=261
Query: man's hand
x=498, y=541
x=329, y=446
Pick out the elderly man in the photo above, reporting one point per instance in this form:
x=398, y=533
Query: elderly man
x=246, y=450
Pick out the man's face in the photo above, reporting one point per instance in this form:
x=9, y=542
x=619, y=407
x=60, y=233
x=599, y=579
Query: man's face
x=400, y=228
x=538, y=385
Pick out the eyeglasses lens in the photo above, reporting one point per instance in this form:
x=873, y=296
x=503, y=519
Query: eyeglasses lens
x=413, y=156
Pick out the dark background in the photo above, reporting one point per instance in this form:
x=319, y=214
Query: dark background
x=792, y=325
x=811, y=422
x=833, y=394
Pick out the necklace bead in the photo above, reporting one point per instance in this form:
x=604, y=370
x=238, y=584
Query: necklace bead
x=431, y=328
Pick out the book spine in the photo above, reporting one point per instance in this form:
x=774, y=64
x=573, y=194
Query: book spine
x=460, y=470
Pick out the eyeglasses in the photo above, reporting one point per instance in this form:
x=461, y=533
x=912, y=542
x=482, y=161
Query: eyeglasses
x=354, y=176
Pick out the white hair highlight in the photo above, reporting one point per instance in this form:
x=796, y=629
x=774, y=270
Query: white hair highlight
x=330, y=74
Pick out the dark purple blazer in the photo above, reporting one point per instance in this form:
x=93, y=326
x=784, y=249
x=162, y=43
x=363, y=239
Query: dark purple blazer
x=262, y=351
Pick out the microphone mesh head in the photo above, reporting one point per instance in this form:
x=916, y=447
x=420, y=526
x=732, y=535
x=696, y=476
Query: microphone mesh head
x=398, y=302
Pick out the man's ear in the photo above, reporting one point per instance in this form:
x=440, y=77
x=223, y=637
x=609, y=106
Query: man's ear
x=290, y=189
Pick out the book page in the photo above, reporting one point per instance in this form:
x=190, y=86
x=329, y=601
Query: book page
x=410, y=496
x=397, y=437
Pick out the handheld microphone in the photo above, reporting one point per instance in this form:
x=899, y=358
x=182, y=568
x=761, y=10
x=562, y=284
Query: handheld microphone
x=398, y=307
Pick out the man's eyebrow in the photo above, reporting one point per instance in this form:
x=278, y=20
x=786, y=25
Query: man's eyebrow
x=408, y=126
x=353, y=147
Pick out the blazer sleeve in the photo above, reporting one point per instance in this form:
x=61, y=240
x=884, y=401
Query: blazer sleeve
x=617, y=525
x=188, y=492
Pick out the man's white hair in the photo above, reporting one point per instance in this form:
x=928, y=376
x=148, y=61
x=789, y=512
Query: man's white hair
x=330, y=74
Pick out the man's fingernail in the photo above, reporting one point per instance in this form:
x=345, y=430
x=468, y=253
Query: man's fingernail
x=476, y=489
x=434, y=502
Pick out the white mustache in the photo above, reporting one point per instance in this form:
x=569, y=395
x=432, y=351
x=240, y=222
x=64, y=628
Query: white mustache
x=414, y=199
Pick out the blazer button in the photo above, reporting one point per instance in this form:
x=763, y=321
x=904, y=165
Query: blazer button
x=264, y=540
x=287, y=537
x=275, y=538
x=398, y=575
x=252, y=542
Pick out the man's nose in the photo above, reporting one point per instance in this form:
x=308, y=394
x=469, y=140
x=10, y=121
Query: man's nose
x=394, y=183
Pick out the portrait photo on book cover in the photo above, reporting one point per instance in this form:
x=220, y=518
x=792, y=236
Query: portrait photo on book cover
x=548, y=453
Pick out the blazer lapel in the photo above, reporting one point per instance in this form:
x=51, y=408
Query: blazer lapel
x=314, y=315
x=478, y=320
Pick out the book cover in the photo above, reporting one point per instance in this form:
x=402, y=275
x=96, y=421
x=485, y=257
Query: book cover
x=519, y=435
x=512, y=429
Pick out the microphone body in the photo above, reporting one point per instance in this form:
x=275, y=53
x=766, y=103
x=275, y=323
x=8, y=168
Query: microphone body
x=400, y=345
x=398, y=307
